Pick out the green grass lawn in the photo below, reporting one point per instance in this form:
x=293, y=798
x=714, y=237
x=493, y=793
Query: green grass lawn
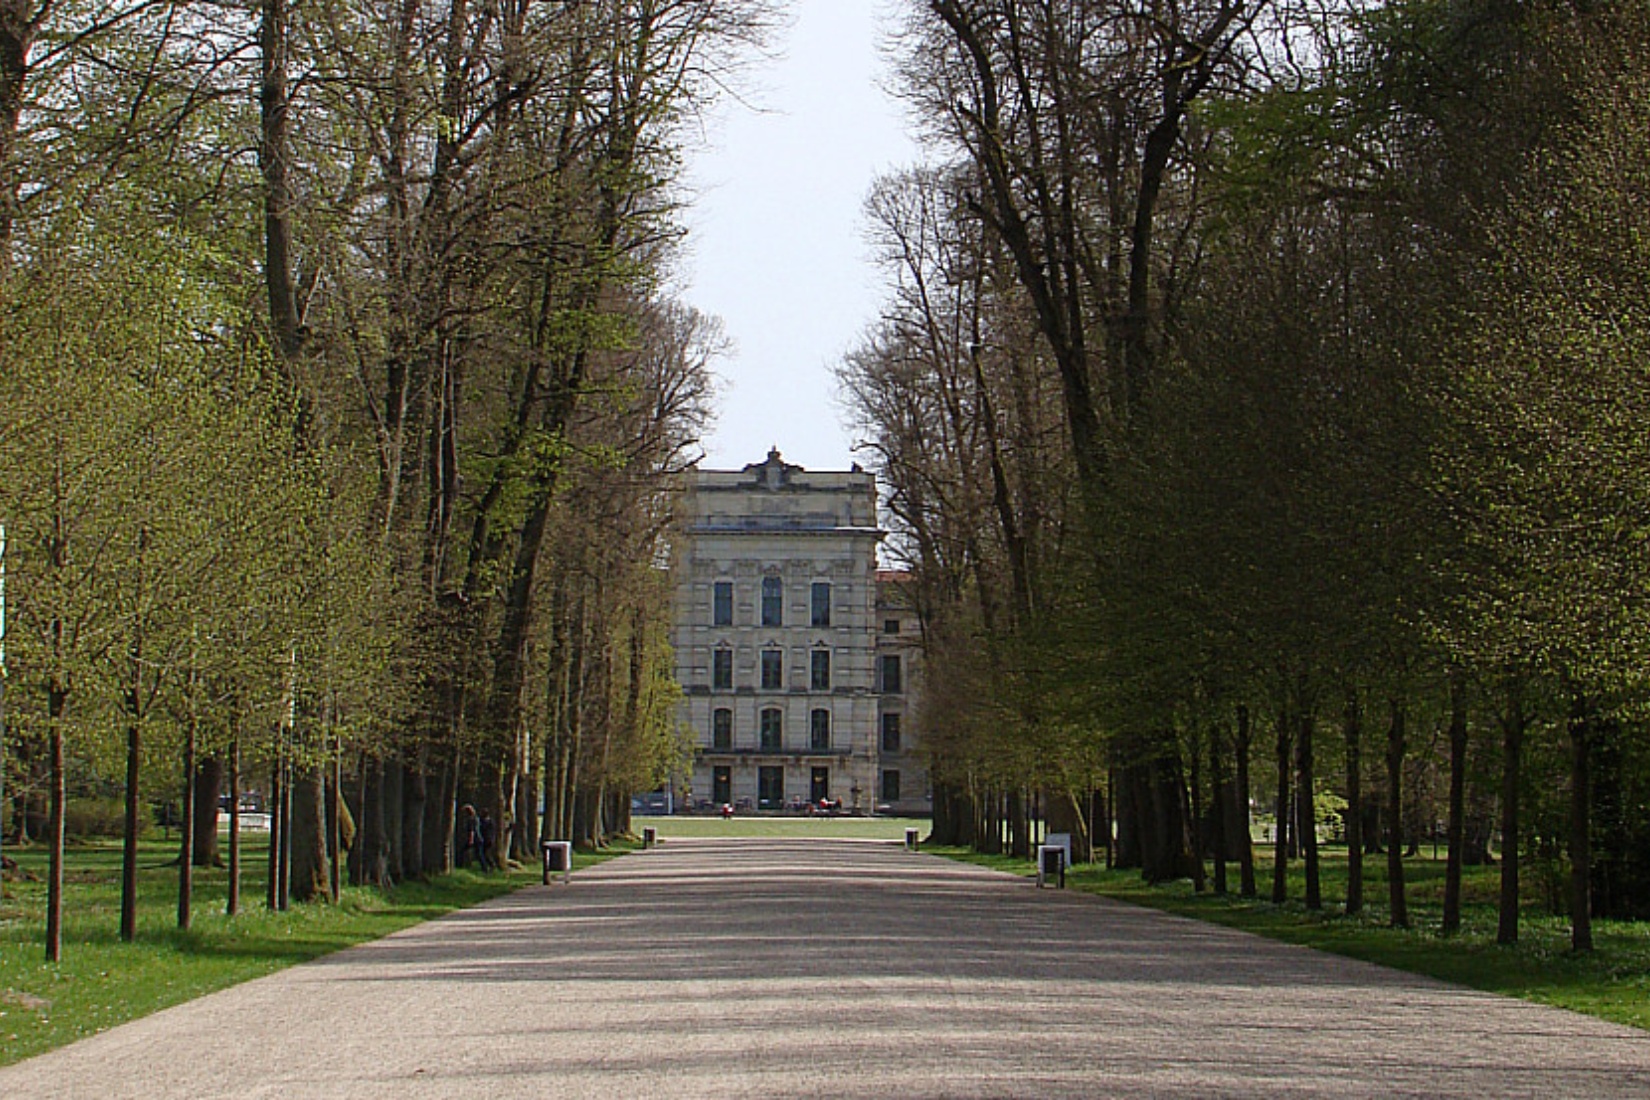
x=854, y=828
x=101, y=981
x=1613, y=982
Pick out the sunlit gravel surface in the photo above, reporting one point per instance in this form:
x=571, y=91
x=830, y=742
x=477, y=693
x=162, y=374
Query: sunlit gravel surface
x=800, y=968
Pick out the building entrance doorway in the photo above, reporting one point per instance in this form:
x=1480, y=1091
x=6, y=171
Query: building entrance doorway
x=820, y=788
x=721, y=785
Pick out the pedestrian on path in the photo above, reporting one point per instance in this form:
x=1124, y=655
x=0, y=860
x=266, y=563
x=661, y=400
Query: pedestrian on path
x=486, y=833
x=470, y=845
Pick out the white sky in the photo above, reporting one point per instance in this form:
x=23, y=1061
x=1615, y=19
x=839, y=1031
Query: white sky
x=776, y=243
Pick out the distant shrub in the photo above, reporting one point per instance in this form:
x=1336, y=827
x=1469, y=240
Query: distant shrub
x=94, y=817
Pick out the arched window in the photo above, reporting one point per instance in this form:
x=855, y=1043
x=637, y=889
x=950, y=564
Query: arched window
x=721, y=729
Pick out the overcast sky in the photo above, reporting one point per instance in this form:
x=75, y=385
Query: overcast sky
x=777, y=244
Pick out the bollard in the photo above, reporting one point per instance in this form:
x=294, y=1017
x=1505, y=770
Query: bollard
x=1051, y=864
x=558, y=860
x=650, y=836
x=910, y=840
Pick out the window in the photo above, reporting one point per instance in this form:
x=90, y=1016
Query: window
x=890, y=785
x=819, y=670
x=773, y=669
x=890, y=732
x=721, y=729
x=889, y=663
x=721, y=670
x=721, y=784
x=771, y=729
x=821, y=604
x=890, y=626
x=721, y=604
x=773, y=601
x=770, y=788
x=819, y=730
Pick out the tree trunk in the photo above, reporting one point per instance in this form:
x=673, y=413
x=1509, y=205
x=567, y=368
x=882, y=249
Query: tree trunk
x=1280, y=842
x=17, y=34
x=415, y=797
x=522, y=816
x=128, y=855
x=394, y=774
x=1019, y=839
x=1191, y=814
x=1399, y=915
x=277, y=794
x=1352, y=731
x=1220, y=796
x=232, y=904
x=1581, y=846
x=990, y=840
x=374, y=869
x=967, y=816
x=310, y=872
x=56, y=703
x=1457, y=801
x=340, y=826
x=1246, y=849
x=208, y=795
x=1306, y=814
x=186, y=858
x=1166, y=858
x=1125, y=804
x=439, y=823
x=284, y=863
x=272, y=156
x=134, y=756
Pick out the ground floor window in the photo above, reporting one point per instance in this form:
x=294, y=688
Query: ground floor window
x=770, y=788
x=890, y=785
x=721, y=785
x=819, y=787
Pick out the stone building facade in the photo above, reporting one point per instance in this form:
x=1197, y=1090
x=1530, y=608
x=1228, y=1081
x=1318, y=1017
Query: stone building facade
x=783, y=644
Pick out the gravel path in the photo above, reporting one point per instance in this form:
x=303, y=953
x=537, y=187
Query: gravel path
x=850, y=969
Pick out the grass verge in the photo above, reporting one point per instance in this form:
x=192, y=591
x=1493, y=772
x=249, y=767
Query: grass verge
x=101, y=981
x=1612, y=982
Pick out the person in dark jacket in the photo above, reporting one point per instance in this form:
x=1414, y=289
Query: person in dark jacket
x=469, y=831
x=487, y=834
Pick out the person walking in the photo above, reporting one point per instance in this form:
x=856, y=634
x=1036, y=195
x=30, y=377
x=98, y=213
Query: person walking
x=486, y=833
x=470, y=836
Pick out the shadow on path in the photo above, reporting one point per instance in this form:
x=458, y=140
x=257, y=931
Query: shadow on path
x=841, y=968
